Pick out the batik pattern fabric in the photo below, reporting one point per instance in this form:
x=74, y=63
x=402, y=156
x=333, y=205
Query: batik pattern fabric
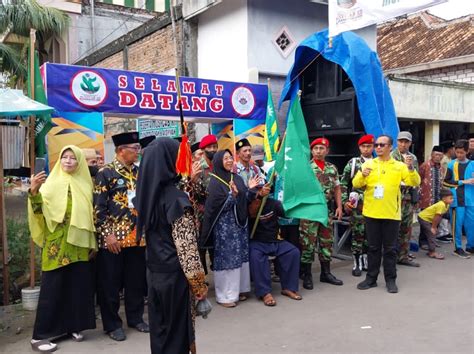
x=432, y=176
x=184, y=235
x=231, y=240
x=198, y=192
x=113, y=214
x=57, y=252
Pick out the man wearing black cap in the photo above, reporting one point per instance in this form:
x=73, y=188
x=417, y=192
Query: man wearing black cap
x=448, y=151
x=245, y=167
x=120, y=260
x=432, y=175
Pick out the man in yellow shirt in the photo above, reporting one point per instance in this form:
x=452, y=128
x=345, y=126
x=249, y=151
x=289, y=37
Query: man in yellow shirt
x=381, y=178
x=430, y=218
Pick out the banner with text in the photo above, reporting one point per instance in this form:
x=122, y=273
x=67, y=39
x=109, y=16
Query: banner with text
x=158, y=128
x=85, y=89
x=347, y=15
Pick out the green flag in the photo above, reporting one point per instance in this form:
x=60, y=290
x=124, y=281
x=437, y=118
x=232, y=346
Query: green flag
x=43, y=122
x=303, y=196
x=271, y=139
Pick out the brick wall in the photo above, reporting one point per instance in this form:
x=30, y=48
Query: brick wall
x=458, y=73
x=154, y=53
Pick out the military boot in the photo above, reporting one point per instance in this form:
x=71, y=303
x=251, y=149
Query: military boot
x=307, y=277
x=357, y=267
x=326, y=276
x=302, y=270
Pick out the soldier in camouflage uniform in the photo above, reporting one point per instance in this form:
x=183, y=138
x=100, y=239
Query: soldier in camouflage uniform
x=313, y=233
x=409, y=199
x=359, y=241
x=198, y=186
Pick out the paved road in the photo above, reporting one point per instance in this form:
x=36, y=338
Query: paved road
x=433, y=312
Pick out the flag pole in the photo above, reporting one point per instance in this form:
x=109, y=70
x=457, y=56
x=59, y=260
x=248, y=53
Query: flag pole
x=32, y=143
x=272, y=176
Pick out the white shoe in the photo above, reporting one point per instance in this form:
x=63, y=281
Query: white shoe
x=77, y=337
x=43, y=345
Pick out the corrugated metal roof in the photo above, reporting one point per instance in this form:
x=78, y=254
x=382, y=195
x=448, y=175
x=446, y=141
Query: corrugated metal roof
x=13, y=143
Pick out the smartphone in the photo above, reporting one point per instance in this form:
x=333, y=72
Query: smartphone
x=40, y=165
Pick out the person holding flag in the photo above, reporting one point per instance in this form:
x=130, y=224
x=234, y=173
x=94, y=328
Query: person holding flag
x=308, y=203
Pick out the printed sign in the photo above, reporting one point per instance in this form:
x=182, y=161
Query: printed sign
x=83, y=89
x=158, y=128
x=346, y=15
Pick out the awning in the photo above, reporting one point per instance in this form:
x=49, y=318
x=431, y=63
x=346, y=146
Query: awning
x=15, y=103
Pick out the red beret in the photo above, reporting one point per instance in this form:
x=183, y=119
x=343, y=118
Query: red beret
x=320, y=141
x=366, y=139
x=207, y=140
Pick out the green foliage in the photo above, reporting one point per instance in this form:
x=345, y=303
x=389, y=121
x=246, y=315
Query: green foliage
x=20, y=16
x=18, y=235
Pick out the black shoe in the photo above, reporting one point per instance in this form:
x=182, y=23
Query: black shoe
x=470, y=250
x=118, y=335
x=392, y=287
x=142, y=327
x=366, y=284
x=357, y=267
x=308, y=281
x=326, y=276
x=445, y=239
x=302, y=270
x=408, y=262
x=461, y=253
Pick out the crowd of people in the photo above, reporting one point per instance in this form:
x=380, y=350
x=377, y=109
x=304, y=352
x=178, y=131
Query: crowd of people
x=136, y=229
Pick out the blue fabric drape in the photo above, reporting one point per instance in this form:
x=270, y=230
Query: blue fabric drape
x=363, y=67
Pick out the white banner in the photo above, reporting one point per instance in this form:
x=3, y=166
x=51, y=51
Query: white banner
x=346, y=15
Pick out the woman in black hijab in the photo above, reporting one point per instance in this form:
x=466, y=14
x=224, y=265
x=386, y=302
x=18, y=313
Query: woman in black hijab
x=225, y=229
x=174, y=271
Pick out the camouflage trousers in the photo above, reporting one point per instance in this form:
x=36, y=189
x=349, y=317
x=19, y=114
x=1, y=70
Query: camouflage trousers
x=314, y=235
x=359, y=241
x=405, y=229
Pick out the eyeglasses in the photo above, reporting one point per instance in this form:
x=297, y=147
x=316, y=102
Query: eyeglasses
x=133, y=147
x=381, y=145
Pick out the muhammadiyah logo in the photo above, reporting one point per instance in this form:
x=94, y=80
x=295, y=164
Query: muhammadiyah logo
x=243, y=101
x=89, y=88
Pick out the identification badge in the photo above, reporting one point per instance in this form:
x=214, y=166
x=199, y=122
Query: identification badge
x=378, y=192
x=130, y=196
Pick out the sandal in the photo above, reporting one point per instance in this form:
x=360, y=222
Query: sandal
x=242, y=297
x=291, y=294
x=268, y=300
x=43, y=346
x=227, y=305
x=435, y=255
x=118, y=335
x=77, y=337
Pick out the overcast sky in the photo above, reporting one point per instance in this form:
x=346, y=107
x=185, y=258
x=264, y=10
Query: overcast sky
x=453, y=9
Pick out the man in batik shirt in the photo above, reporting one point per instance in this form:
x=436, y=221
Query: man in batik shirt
x=120, y=260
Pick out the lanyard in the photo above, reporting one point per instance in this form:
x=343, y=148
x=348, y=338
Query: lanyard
x=130, y=177
x=221, y=180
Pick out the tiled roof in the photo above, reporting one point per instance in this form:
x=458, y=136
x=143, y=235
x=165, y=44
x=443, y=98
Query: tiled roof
x=423, y=38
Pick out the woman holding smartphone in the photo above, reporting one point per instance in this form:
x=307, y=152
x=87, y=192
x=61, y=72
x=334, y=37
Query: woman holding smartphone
x=61, y=223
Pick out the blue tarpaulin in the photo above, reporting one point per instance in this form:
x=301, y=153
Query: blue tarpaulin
x=362, y=66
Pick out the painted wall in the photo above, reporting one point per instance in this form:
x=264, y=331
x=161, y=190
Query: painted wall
x=420, y=99
x=109, y=25
x=222, y=42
